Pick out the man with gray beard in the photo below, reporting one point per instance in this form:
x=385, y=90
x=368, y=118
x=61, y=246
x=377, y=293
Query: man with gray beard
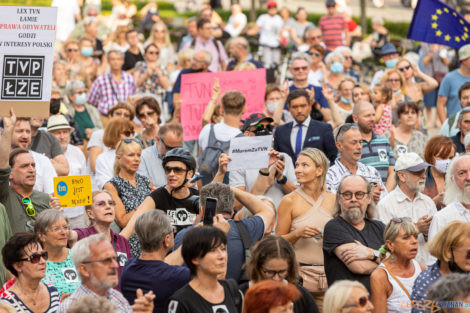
x=352, y=238
x=407, y=199
x=456, y=195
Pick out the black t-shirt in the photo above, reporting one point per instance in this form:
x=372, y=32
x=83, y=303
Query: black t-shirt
x=182, y=212
x=338, y=232
x=130, y=60
x=187, y=300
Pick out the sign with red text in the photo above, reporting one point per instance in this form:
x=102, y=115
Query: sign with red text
x=196, y=92
x=27, y=36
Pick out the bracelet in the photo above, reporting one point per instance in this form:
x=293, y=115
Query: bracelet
x=263, y=173
x=282, y=181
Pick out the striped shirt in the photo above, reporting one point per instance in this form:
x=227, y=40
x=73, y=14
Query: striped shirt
x=104, y=96
x=19, y=305
x=379, y=154
x=114, y=296
x=333, y=28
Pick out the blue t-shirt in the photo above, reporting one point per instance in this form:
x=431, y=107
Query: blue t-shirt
x=158, y=276
x=236, y=255
x=450, y=89
x=318, y=95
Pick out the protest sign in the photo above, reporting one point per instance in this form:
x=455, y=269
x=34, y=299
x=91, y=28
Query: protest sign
x=27, y=36
x=249, y=152
x=73, y=190
x=196, y=91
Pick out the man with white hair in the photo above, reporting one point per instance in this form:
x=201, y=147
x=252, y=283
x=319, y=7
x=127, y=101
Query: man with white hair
x=456, y=195
x=96, y=261
x=407, y=199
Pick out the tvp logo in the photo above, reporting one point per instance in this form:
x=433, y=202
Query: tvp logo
x=22, y=77
x=62, y=189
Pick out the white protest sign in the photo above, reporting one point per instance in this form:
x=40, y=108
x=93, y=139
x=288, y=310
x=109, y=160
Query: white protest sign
x=27, y=36
x=249, y=152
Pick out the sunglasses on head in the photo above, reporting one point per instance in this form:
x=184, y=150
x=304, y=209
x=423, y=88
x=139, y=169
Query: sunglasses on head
x=362, y=301
x=175, y=169
x=30, y=211
x=401, y=219
x=128, y=133
x=344, y=128
x=36, y=257
x=402, y=69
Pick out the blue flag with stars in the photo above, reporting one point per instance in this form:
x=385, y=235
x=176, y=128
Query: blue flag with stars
x=436, y=22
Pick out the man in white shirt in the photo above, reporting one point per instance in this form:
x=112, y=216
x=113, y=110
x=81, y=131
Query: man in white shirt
x=407, y=199
x=456, y=196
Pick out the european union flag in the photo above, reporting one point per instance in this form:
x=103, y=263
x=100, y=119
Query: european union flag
x=436, y=22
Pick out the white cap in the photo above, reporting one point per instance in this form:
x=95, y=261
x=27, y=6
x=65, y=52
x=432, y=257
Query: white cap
x=411, y=162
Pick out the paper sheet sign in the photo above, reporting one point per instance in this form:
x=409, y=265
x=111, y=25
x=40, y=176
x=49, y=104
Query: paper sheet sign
x=249, y=152
x=196, y=91
x=27, y=36
x=73, y=190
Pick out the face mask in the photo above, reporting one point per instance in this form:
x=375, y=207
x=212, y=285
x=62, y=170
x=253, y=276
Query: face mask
x=87, y=51
x=397, y=92
x=80, y=99
x=391, y=63
x=442, y=165
x=54, y=106
x=344, y=100
x=336, y=68
x=271, y=106
x=453, y=267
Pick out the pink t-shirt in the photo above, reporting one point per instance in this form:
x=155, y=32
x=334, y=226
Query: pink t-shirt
x=385, y=122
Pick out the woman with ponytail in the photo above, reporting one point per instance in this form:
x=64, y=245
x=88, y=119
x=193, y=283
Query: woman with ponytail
x=392, y=281
x=128, y=188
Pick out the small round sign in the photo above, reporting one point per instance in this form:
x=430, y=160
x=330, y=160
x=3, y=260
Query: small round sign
x=62, y=188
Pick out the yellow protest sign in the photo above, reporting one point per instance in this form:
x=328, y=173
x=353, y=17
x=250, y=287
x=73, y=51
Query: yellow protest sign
x=73, y=190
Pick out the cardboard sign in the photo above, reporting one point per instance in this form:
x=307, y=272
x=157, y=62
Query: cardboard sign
x=249, y=152
x=27, y=36
x=73, y=190
x=196, y=92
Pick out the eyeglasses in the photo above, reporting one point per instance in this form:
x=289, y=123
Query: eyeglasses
x=313, y=53
x=391, y=80
x=103, y=203
x=467, y=251
x=120, y=114
x=128, y=133
x=401, y=219
x=347, y=195
x=36, y=257
x=167, y=147
x=149, y=114
x=303, y=68
x=56, y=229
x=344, y=128
x=153, y=52
x=72, y=50
x=30, y=211
x=105, y=262
x=402, y=69
x=175, y=169
x=270, y=274
x=362, y=301
x=129, y=140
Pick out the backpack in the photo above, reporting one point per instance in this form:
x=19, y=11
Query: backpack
x=209, y=159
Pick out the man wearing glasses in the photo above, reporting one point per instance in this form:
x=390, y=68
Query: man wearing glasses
x=352, y=239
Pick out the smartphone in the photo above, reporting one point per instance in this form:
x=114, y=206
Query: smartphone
x=209, y=211
x=281, y=157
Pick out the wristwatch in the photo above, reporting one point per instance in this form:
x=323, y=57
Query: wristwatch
x=376, y=255
x=282, y=181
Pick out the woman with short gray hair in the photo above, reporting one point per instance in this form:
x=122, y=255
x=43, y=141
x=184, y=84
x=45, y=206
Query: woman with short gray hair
x=334, y=64
x=52, y=228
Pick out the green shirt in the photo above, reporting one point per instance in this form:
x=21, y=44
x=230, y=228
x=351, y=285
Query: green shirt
x=83, y=121
x=5, y=234
x=62, y=275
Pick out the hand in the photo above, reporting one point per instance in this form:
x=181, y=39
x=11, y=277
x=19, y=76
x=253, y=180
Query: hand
x=54, y=203
x=416, y=71
x=438, y=200
x=143, y=303
x=64, y=295
x=376, y=192
x=216, y=89
x=285, y=89
x=328, y=93
x=356, y=252
x=88, y=133
x=311, y=94
x=273, y=157
x=423, y=224
x=308, y=232
x=9, y=122
x=224, y=159
x=279, y=166
x=221, y=223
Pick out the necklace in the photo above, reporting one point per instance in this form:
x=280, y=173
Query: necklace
x=24, y=294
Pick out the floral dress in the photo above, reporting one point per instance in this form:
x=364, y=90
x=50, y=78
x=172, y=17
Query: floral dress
x=385, y=122
x=131, y=198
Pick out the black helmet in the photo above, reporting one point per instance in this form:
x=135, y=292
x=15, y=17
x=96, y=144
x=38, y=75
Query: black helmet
x=182, y=155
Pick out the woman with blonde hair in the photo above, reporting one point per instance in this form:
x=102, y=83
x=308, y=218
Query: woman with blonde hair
x=118, y=40
x=347, y=296
x=160, y=36
x=128, y=188
x=74, y=68
x=392, y=281
x=303, y=214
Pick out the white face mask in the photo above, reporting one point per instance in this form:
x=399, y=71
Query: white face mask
x=80, y=99
x=442, y=165
x=271, y=106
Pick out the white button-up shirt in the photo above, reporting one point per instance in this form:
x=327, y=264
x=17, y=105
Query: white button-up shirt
x=453, y=212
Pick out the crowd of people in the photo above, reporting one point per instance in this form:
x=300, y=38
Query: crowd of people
x=364, y=205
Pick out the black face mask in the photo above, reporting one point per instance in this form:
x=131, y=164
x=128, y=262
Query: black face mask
x=54, y=106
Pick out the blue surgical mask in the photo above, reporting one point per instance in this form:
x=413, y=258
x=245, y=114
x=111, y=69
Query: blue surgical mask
x=336, y=68
x=80, y=99
x=87, y=51
x=344, y=100
x=397, y=92
x=391, y=63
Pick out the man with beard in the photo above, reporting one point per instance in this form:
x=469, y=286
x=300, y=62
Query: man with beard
x=351, y=240
x=408, y=200
x=96, y=261
x=240, y=50
x=456, y=196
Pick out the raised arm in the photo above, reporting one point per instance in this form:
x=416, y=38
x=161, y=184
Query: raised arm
x=5, y=140
x=254, y=205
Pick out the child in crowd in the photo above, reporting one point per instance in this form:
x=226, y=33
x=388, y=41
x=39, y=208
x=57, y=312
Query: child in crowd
x=381, y=96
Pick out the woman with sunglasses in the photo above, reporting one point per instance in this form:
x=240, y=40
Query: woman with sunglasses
x=317, y=68
x=147, y=110
x=148, y=74
x=24, y=257
x=101, y=214
x=52, y=229
x=273, y=258
x=451, y=247
x=160, y=37
x=128, y=188
x=303, y=214
x=74, y=68
x=347, y=296
x=392, y=281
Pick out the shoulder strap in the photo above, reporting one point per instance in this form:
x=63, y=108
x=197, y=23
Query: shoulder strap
x=398, y=281
x=216, y=44
x=236, y=293
x=112, y=86
x=245, y=235
x=193, y=43
x=308, y=198
x=392, y=137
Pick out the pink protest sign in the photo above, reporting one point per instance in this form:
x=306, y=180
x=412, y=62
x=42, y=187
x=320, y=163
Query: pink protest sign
x=196, y=91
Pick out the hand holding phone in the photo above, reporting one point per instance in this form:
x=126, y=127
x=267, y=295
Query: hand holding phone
x=209, y=211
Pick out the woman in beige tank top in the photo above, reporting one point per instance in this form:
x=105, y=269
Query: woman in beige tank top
x=303, y=213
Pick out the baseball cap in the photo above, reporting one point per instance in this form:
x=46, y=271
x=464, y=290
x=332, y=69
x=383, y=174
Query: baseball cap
x=388, y=48
x=271, y=4
x=330, y=3
x=410, y=161
x=57, y=122
x=254, y=119
x=464, y=52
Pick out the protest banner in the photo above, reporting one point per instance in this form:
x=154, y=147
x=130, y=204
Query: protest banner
x=196, y=91
x=73, y=190
x=27, y=36
x=249, y=152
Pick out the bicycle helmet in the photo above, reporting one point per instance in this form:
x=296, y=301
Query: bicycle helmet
x=182, y=155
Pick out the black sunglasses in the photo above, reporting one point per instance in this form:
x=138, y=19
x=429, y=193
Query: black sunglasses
x=402, y=69
x=167, y=147
x=313, y=53
x=260, y=127
x=362, y=301
x=36, y=257
x=175, y=169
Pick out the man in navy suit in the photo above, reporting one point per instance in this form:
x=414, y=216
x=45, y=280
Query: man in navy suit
x=304, y=132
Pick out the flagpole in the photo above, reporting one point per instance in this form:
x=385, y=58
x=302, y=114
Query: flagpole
x=404, y=48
